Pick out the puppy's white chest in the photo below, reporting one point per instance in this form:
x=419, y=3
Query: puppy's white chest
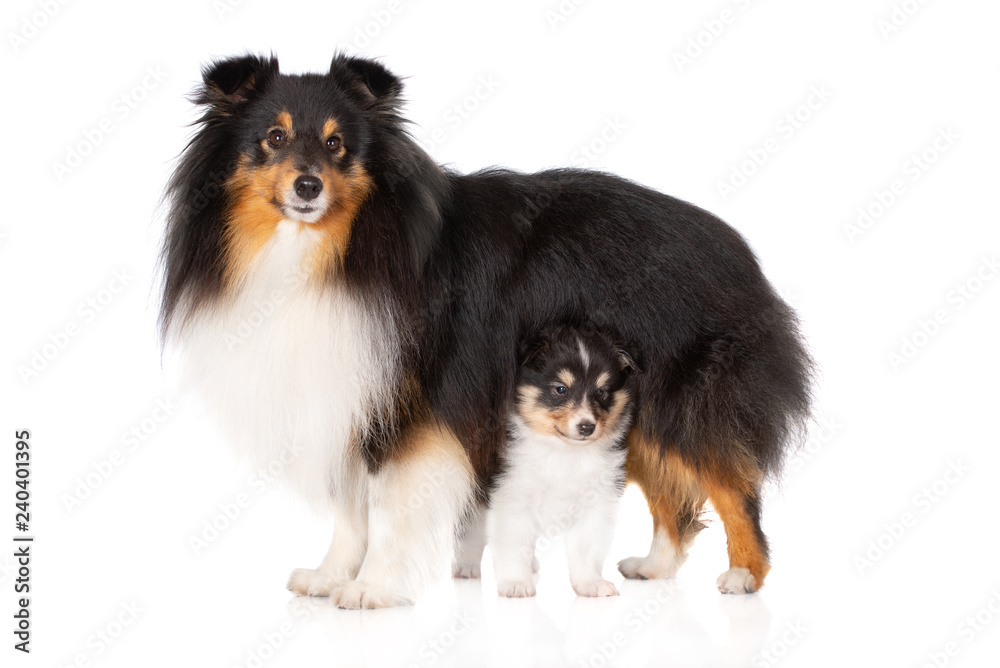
x=554, y=483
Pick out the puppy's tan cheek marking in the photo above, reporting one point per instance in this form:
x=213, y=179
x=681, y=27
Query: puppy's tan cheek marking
x=538, y=417
x=617, y=408
x=560, y=418
x=529, y=410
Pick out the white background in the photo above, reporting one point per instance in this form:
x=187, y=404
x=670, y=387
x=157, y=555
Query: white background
x=605, y=75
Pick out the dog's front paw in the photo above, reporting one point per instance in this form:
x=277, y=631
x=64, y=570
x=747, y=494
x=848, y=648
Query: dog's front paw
x=358, y=595
x=737, y=581
x=309, y=582
x=465, y=571
x=646, y=568
x=594, y=588
x=516, y=589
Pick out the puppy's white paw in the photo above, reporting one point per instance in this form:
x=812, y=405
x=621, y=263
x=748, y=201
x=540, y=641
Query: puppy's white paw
x=358, y=595
x=737, y=581
x=534, y=564
x=309, y=582
x=646, y=568
x=465, y=571
x=516, y=589
x=594, y=588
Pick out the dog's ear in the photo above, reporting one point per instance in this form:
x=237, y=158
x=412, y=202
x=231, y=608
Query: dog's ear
x=532, y=350
x=234, y=81
x=369, y=80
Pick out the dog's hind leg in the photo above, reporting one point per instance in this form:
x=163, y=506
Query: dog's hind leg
x=415, y=501
x=738, y=505
x=675, y=500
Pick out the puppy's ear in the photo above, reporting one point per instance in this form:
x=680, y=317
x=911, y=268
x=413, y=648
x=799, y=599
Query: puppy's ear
x=234, y=81
x=369, y=80
x=532, y=350
x=625, y=361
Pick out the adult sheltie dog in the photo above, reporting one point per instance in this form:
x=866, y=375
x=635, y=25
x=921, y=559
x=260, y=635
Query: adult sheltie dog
x=353, y=311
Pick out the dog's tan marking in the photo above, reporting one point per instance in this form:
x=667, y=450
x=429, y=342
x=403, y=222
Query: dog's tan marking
x=330, y=128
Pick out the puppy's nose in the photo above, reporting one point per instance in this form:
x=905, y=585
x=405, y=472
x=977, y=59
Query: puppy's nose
x=308, y=187
x=585, y=428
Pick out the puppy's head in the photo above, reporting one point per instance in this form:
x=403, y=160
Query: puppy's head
x=576, y=385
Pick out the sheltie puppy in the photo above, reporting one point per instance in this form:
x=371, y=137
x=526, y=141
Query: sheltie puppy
x=352, y=311
x=564, y=470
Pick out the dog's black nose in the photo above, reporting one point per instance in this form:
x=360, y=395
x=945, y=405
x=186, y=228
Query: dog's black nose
x=308, y=187
x=586, y=428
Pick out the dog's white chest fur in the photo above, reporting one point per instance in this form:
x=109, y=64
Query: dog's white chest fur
x=555, y=483
x=292, y=369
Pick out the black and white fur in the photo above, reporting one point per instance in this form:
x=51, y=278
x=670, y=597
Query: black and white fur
x=383, y=377
x=563, y=473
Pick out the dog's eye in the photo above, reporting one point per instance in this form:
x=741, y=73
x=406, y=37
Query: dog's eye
x=601, y=391
x=277, y=138
x=560, y=389
x=334, y=143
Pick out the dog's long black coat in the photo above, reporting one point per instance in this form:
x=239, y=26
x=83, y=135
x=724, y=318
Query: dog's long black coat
x=471, y=264
x=721, y=363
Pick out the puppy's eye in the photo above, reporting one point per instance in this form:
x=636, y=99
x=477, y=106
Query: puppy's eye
x=334, y=143
x=277, y=138
x=560, y=389
x=601, y=391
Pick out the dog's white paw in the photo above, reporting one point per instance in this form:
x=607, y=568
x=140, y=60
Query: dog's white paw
x=309, y=582
x=737, y=581
x=516, y=589
x=534, y=564
x=595, y=588
x=358, y=595
x=465, y=571
x=646, y=568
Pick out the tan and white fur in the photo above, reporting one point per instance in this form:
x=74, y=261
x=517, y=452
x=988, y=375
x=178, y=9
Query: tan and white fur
x=293, y=366
x=563, y=471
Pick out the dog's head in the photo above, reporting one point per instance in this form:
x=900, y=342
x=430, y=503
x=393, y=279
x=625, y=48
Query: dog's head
x=300, y=146
x=302, y=142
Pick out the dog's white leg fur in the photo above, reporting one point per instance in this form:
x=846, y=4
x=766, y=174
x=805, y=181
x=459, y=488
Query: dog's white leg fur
x=512, y=537
x=415, y=501
x=343, y=559
x=737, y=581
x=587, y=543
x=471, y=543
x=663, y=561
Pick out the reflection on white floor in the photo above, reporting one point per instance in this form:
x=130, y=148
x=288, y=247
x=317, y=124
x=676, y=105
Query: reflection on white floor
x=465, y=624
